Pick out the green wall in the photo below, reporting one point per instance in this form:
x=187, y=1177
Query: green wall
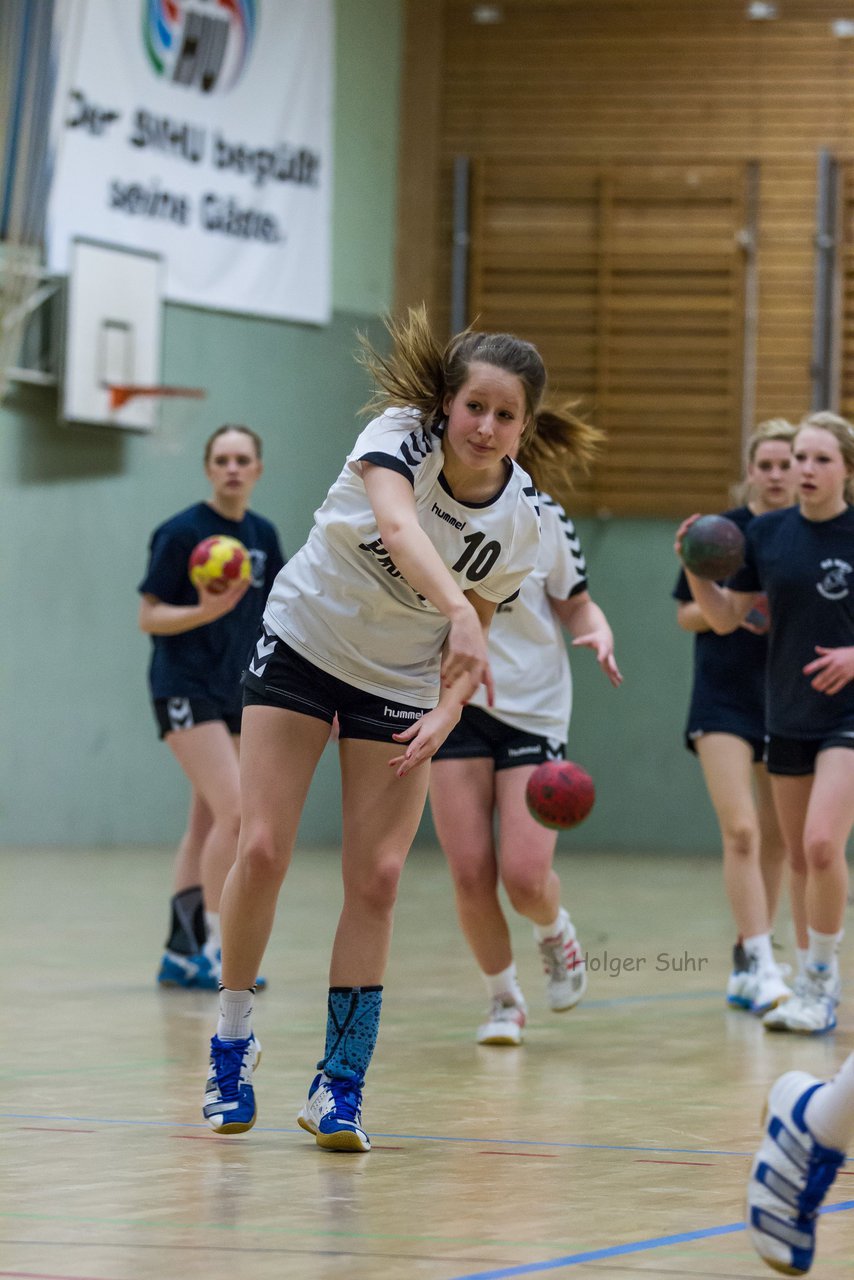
x=80, y=763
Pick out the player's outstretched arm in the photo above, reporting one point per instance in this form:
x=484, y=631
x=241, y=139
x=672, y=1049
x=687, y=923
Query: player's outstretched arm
x=587, y=625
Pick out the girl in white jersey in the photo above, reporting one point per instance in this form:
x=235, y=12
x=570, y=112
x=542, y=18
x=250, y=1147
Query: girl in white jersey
x=380, y=618
x=484, y=766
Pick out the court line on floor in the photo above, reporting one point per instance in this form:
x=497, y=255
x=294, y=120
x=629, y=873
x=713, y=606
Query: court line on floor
x=621, y=1250
x=408, y=1137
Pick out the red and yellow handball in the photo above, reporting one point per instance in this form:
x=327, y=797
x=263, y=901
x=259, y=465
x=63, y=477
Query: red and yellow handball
x=218, y=563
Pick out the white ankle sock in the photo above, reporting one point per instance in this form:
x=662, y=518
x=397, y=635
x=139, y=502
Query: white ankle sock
x=758, y=947
x=830, y=1111
x=543, y=931
x=505, y=983
x=823, y=948
x=235, y=1014
x=213, y=942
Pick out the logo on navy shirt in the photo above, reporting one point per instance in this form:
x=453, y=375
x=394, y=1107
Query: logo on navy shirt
x=834, y=584
x=258, y=563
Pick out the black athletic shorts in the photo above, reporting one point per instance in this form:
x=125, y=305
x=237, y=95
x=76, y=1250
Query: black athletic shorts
x=795, y=757
x=757, y=745
x=278, y=676
x=480, y=736
x=174, y=714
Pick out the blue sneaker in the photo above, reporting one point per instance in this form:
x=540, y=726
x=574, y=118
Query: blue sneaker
x=333, y=1113
x=229, y=1097
x=200, y=972
x=790, y=1177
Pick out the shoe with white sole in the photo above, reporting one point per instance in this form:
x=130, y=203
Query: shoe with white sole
x=505, y=1022
x=229, y=1105
x=790, y=1177
x=333, y=1113
x=811, y=1010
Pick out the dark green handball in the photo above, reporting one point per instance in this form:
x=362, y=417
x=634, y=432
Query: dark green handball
x=713, y=547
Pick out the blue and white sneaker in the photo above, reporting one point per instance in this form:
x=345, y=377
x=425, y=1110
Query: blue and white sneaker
x=789, y=1179
x=811, y=1011
x=229, y=1105
x=200, y=972
x=333, y=1113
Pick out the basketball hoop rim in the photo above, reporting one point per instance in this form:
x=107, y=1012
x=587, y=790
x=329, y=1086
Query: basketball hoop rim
x=121, y=393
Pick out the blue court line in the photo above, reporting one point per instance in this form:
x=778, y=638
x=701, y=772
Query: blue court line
x=408, y=1137
x=620, y=1250
x=665, y=997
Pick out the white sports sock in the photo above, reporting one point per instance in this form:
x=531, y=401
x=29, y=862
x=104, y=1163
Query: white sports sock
x=213, y=942
x=830, y=1111
x=802, y=955
x=758, y=947
x=235, y=1014
x=543, y=931
x=823, y=947
x=505, y=983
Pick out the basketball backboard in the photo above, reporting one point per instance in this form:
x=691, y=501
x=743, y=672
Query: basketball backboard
x=114, y=335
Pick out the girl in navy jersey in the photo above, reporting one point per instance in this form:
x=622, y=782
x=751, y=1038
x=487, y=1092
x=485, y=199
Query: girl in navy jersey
x=802, y=558
x=726, y=729
x=381, y=618
x=201, y=644
x=483, y=767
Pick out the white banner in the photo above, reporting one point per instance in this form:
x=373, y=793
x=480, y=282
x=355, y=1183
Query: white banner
x=201, y=130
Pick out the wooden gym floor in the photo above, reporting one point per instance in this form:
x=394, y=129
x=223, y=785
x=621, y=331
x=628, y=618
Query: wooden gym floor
x=614, y=1143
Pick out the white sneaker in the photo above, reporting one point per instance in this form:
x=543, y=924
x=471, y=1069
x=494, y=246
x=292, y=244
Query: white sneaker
x=768, y=990
x=811, y=1011
x=789, y=1179
x=563, y=962
x=505, y=1023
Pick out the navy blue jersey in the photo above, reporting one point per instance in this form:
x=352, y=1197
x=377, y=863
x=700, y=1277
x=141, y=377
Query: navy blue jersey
x=728, y=693
x=207, y=661
x=805, y=568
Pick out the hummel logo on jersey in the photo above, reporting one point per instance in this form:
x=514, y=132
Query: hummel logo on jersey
x=446, y=515
x=180, y=713
x=263, y=651
x=400, y=713
x=512, y=752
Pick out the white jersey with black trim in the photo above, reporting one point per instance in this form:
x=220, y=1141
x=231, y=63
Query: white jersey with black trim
x=342, y=603
x=527, y=651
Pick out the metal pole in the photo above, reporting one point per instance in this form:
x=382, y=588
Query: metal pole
x=460, y=246
x=821, y=367
x=747, y=240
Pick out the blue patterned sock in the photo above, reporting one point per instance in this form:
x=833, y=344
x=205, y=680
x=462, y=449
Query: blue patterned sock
x=352, y=1024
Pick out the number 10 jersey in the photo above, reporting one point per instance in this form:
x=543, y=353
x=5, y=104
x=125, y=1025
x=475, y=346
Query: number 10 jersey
x=342, y=603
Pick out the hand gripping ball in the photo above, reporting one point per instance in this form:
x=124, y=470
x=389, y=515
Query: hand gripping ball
x=713, y=547
x=218, y=562
x=560, y=794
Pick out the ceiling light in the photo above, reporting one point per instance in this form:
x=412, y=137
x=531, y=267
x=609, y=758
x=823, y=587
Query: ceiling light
x=487, y=14
x=762, y=10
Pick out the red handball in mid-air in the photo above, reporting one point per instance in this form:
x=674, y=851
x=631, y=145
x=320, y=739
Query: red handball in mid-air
x=218, y=562
x=560, y=794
